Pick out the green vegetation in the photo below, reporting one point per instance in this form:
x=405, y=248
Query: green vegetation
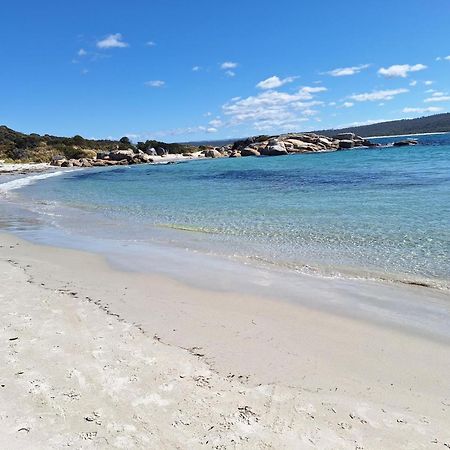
x=15, y=146
x=172, y=148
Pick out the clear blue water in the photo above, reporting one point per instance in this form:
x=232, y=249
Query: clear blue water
x=382, y=213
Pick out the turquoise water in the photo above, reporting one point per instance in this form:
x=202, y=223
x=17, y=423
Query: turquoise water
x=382, y=213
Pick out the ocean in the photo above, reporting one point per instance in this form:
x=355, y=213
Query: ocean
x=379, y=213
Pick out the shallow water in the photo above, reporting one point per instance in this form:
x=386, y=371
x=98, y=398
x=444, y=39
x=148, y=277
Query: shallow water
x=381, y=213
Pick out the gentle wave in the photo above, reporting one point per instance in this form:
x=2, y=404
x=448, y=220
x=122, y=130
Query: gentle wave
x=19, y=183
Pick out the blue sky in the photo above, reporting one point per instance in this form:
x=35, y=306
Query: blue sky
x=180, y=70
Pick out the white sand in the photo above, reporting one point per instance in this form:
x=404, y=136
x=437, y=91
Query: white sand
x=11, y=168
x=95, y=358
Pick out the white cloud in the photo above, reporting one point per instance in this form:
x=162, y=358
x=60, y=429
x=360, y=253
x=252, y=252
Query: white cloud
x=437, y=93
x=439, y=98
x=215, y=123
x=112, y=41
x=274, y=82
x=196, y=68
x=400, y=70
x=150, y=44
x=413, y=83
x=211, y=130
x=228, y=65
x=348, y=104
x=439, y=58
x=230, y=73
x=346, y=71
x=447, y=58
x=155, y=83
x=388, y=94
x=430, y=109
x=428, y=83
x=272, y=109
x=82, y=52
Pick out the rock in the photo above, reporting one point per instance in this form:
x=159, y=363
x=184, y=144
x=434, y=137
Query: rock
x=58, y=162
x=405, y=143
x=235, y=155
x=67, y=164
x=102, y=155
x=119, y=155
x=345, y=136
x=99, y=163
x=346, y=144
x=150, y=151
x=145, y=158
x=85, y=163
x=249, y=151
x=274, y=150
x=161, y=151
x=76, y=163
x=367, y=143
x=212, y=153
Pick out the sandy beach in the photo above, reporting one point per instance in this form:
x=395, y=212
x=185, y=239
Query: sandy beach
x=96, y=358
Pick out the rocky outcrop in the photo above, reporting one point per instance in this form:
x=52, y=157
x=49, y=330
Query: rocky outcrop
x=102, y=159
x=296, y=143
x=249, y=151
x=405, y=143
x=346, y=143
x=280, y=145
x=212, y=153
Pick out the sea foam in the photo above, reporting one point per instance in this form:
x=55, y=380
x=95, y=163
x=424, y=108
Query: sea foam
x=19, y=183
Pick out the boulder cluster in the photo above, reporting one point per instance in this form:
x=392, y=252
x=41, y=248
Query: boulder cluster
x=91, y=158
x=253, y=146
x=287, y=143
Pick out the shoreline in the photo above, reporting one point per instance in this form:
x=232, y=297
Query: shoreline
x=325, y=380
x=411, y=134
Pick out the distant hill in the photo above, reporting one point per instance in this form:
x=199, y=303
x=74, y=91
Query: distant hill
x=430, y=124
x=16, y=146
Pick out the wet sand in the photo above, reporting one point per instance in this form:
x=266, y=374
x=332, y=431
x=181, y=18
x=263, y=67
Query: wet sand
x=95, y=357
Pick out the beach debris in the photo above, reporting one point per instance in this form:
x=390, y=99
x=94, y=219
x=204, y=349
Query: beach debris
x=245, y=414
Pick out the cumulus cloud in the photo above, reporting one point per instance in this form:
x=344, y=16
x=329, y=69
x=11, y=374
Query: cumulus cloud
x=348, y=104
x=274, y=82
x=273, y=109
x=112, y=41
x=413, y=83
x=447, y=58
x=228, y=65
x=388, y=94
x=150, y=44
x=346, y=71
x=428, y=83
x=155, y=83
x=230, y=73
x=82, y=52
x=196, y=68
x=400, y=70
x=430, y=109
